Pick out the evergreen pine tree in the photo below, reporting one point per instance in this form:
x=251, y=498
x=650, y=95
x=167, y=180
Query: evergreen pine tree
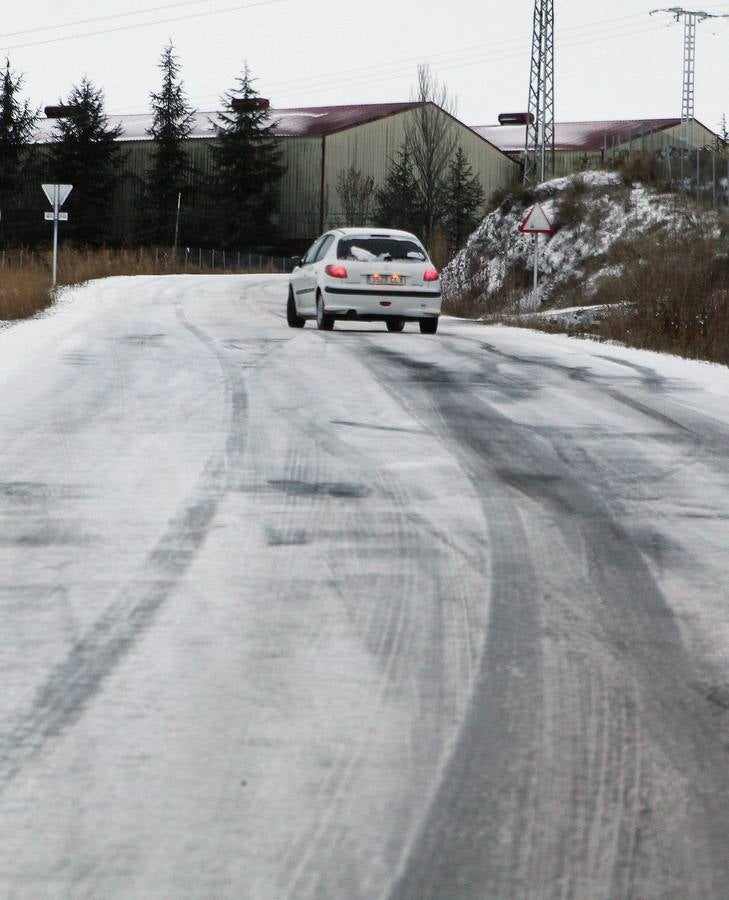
x=396, y=202
x=17, y=121
x=85, y=153
x=246, y=170
x=170, y=168
x=464, y=197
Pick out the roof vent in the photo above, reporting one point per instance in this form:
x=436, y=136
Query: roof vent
x=62, y=112
x=516, y=118
x=249, y=104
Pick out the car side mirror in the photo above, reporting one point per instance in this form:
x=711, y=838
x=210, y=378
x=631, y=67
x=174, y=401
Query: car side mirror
x=295, y=262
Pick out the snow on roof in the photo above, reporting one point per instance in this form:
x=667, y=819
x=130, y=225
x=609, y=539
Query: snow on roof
x=575, y=135
x=308, y=121
x=322, y=120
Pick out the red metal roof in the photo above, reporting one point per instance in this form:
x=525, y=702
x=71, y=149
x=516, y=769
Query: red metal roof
x=305, y=121
x=323, y=120
x=576, y=135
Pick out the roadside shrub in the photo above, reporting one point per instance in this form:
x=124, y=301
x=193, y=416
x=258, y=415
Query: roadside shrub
x=467, y=303
x=470, y=300
x=571, y=208
x=667, y=293
x=678, y=291
x=520, y=195
x=643, y=167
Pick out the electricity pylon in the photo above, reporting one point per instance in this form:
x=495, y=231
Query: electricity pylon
x=690, y=17
x=539, y=150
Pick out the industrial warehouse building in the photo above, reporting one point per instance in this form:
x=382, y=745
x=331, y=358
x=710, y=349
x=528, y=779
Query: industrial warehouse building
x=318, y=144
x=591, y=145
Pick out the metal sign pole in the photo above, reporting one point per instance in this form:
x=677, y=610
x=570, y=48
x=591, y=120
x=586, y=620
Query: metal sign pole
x=55, y=232
x=57, y=195
x=177, y=222
x=536, y=223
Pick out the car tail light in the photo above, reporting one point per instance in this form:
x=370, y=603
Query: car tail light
x=336, y=271
x=431, y=275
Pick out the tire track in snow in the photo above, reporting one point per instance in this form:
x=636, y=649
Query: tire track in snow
x=402, y=617
x=314, y=853
x=60, y=701
x=494, y=823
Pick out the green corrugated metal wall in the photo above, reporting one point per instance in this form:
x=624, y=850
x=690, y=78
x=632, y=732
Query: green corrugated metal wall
x=568, y=161
x=302, y=210
x=371, y=147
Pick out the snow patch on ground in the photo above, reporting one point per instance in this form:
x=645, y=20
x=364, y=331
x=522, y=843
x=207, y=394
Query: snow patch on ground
x=578, y=252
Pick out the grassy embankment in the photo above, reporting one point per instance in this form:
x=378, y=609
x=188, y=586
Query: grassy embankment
x=668, y=291
x=672, y=296
x=25, y=285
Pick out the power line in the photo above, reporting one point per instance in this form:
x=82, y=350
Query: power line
x=184, y=3
x=475, y=59
x=124, y=15
x=207, y=14
x=480, y=59
x=519, y=42
x=60, y=39
x=403, y=66
x=691, y=18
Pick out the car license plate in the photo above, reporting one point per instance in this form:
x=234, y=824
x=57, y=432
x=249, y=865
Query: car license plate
x=385, y=279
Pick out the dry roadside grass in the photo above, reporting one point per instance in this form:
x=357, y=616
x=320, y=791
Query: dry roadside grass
x=664, y=290
x=672, y=296
x=25, y=287
x=24, y=291
x=676, y=293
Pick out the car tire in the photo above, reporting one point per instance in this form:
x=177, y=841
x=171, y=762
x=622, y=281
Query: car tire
x=428, y=326
x=395, y=324
x=324, y=322
x=292, y=317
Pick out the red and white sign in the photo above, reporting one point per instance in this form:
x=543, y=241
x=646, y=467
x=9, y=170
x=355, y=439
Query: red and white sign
x=536, y=222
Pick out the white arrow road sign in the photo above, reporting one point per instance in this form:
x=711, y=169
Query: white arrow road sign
x=536, y=222
x=63, y=191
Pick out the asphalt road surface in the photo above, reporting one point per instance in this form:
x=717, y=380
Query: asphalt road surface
x=356, y=615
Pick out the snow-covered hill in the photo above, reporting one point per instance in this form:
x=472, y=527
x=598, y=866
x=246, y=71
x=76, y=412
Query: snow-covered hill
x=595, y=213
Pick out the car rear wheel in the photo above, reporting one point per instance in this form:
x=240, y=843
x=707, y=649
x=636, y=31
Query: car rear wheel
x=292, y=317
x=395, y=324
x=428, y=326
x=324, y=322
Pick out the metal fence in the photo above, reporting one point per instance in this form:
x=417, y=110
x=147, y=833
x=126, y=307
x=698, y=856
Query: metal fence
x=229, y=260
x=22, y=257
x=701, y=172
x=179, y=259
x=704, y=173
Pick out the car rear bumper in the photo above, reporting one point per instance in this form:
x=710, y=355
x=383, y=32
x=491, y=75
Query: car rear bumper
x=361, y=303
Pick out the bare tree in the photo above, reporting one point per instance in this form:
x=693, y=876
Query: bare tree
x=355, y=194
x=430, y=140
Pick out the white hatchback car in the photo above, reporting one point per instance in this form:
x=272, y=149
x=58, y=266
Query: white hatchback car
x=365, y=274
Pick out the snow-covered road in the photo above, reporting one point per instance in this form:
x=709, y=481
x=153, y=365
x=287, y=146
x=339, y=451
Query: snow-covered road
x=291, y=614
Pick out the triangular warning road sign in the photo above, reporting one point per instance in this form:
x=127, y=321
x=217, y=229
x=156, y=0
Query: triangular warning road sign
x=536, y=222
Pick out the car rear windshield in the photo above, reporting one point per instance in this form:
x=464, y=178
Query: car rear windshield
x=366, y=249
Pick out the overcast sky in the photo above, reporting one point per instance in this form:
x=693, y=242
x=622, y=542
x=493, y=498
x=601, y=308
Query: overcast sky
x=613, y=60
